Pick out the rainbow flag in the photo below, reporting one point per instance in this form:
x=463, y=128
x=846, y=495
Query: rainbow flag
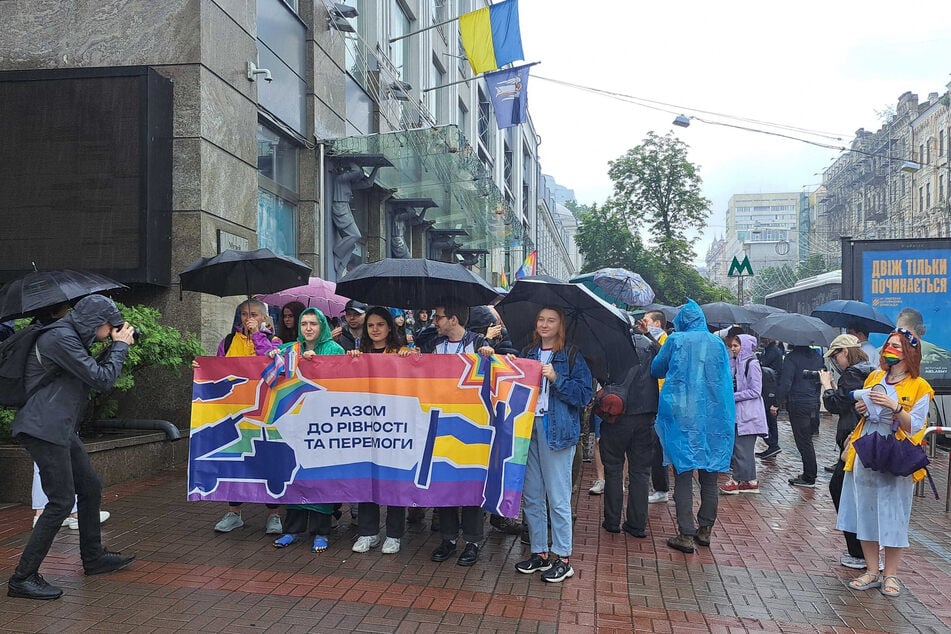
x=503, y=280
x=491, y=36
x=436, y=430
x=529, y=266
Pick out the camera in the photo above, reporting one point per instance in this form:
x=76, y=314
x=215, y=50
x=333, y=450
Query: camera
x=136, y=335
x=811, y=374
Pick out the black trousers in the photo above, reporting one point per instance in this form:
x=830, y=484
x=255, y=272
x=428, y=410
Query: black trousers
x=65, y=473
x=801, y=415
x=473, y=523
x=632, y=437
x=368, y=518
x=298, y=520
x=835, y=490
x=660, y=477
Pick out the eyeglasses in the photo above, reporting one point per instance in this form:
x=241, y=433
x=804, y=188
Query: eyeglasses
x=908, y=335
x=437, y=317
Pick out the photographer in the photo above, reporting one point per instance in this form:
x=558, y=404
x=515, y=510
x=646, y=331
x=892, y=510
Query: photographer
x=799, y=391
x=850, y=360
x=59, y=374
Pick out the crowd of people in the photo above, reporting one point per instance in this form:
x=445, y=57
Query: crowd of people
x=698, y=401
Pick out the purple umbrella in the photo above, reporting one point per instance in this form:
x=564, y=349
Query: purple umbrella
x=317, y=293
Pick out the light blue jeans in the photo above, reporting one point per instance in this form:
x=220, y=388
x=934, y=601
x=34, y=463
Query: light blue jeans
x=548, y=475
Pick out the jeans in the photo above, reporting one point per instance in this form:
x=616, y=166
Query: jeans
x=744, y=462
x=632, y=437
x=548, y=475
x=39, y=498
x=65, y=472
x=801, y=414
x=368, y=519
x=659, y=478
x=683, y=500
x=835, y=490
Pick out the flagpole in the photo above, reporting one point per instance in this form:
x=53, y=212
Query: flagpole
x=428, y=28
x=468, y=79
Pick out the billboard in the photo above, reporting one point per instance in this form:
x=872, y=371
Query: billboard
x=908, y=281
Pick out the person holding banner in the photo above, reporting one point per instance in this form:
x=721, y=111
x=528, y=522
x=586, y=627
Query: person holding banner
x=314, y=340
x=249, y=338
x=380, y=336
x=450, y=318
x=565, y=390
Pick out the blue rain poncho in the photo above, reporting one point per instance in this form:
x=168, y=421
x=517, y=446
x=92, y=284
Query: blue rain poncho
x=696, y=416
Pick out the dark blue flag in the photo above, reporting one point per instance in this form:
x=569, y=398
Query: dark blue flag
x=508, y=89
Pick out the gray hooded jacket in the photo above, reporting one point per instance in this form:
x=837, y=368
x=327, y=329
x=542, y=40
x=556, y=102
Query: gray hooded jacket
x=53, y=411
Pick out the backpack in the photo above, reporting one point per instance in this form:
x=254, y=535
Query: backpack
x=13, y=355
x=770, y=380
x=610, y=402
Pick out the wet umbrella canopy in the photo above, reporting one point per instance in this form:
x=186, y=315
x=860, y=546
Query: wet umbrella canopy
x=412, y=283
x=723, y=314
x=244, y=273
x=624, y=286
x=799, y=330
x=601, y=332
x=846, y=313
x=42, y=289
x=317, y=293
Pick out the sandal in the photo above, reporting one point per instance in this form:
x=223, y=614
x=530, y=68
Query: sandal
x=320, y=544
x=286, y=540
x=865, y=581
x=891, y=586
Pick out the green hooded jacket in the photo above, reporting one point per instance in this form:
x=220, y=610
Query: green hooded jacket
x=324, y=344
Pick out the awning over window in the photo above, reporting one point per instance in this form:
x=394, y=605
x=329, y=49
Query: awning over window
x=439, y=163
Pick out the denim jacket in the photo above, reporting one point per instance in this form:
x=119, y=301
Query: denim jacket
x=567, y=396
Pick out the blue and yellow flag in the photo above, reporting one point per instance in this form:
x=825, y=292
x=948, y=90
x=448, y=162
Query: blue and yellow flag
x=491, y=36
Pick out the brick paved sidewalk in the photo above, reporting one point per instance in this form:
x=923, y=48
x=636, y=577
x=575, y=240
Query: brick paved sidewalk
x=773, y=566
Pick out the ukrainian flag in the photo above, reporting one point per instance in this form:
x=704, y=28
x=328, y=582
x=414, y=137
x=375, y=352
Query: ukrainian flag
x=491, y=36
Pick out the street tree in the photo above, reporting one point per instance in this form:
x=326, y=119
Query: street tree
x=657, y=188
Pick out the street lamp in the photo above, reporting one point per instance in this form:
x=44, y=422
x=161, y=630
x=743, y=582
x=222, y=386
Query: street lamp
x=682, y=121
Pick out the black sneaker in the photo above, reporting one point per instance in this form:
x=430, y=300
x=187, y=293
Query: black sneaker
x=444, y=551
x=33, y=587
x=799, y=481
x=533, y=563
x=108, y=562
x=506, y=525
x=768, y=453
x=559, y=571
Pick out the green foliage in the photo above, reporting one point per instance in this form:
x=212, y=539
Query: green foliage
x=658, y=189
x=159, y=346
x=605, y=239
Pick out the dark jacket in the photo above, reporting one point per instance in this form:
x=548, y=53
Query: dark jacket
x=772, y=357
x=839, y=401
x=793, y=386
x=431, y=343
x=643, y=395
x=347, y=341
x=53, y=411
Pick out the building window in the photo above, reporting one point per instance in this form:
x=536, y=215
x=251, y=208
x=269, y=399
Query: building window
x=437, y=97
x=278, y=165
x=463, y=118
x=927, y=195
x=400, y=51
x=921, y=198
x=485, y=116
x=921, y=153
x=940, y=142
x=507, y=164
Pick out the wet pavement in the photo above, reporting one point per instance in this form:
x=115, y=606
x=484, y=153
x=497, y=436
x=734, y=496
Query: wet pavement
x=773, y=565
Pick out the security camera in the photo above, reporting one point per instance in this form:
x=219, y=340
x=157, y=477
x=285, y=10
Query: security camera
x=254, y=71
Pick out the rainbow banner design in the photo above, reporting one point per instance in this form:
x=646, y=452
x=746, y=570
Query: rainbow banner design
x=529, y=266
x=432, y=430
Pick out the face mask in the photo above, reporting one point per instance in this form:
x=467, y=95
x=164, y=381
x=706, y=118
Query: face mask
x=891, y=354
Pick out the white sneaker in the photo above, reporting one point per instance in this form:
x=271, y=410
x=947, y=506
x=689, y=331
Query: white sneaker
x=365, y=543
x=657, y=496
x=597, y=488
x=73, y=522
x=229, y=522
x=391, y=546
x=856, y=563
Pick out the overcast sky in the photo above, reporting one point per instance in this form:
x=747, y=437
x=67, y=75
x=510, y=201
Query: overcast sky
x=829, y=66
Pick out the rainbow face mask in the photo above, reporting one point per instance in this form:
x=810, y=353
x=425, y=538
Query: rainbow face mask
x=891, y=354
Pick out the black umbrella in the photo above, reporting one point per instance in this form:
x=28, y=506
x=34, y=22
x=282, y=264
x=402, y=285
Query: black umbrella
x=601, y=332
x=845, y=313
x=799, y=330
x=761, y=310
x=42, y=289
x=414, y=283
x=722, y=313
x=244, y=273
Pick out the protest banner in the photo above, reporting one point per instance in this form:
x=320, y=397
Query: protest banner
x=431, y=430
